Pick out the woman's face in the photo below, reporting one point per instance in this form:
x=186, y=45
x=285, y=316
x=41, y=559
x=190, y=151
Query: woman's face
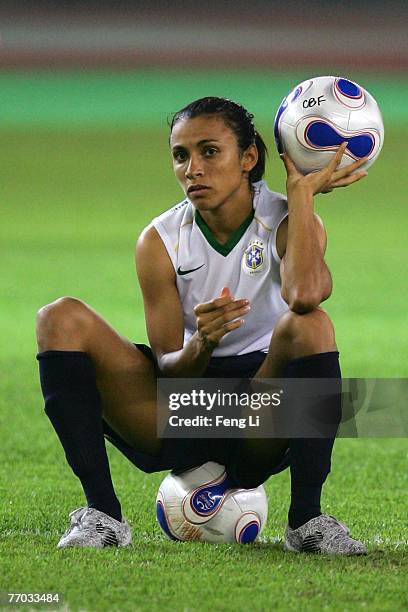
x=207, y=161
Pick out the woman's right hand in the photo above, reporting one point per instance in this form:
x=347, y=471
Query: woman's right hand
x=219, y=317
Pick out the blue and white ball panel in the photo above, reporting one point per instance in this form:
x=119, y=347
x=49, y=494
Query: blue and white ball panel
x=247, y=528
x=292, y=96
x=307, y=158
x=203, y=503
x=320, y=134
x=349, y=93
x=369, y=115
x=300, y=90
x=249, y=533
x=283, y=106
x=162, y=519
x=249, y=500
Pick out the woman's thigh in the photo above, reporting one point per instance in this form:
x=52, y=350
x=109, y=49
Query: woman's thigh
x=125, y=377
x=126, y=380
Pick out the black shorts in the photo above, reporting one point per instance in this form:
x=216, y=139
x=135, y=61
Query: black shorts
x=181, y=454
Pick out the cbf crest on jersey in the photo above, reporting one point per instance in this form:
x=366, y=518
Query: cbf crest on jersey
x=254, y=257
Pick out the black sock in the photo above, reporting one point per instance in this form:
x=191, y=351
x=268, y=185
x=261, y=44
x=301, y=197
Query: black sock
x=311, y=457
x=73, y=405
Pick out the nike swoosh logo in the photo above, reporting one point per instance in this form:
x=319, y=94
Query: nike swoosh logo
x=181, y=272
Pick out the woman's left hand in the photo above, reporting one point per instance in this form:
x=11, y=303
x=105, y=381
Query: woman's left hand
x=326, y=179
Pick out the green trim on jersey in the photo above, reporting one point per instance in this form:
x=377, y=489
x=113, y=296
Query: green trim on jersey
x=226, y=248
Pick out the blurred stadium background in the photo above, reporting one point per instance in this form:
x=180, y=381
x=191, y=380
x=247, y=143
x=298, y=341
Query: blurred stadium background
x=86, y=88
x=219, y=34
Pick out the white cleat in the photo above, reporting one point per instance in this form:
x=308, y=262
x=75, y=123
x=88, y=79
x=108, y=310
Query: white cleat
x=91, y=527
x=323, y=534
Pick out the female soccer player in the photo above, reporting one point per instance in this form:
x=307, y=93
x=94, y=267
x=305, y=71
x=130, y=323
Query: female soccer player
x=232, y=280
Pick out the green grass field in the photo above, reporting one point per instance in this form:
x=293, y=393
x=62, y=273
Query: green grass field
x=74, y=199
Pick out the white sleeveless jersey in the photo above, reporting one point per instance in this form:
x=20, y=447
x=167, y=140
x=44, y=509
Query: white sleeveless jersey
x=248, y=264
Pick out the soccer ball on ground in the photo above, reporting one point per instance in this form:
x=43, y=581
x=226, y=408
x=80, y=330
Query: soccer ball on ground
x=318, y=115
x=201, y=504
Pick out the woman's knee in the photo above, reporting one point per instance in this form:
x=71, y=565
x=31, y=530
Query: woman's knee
x=62, y=323
x=309, y=333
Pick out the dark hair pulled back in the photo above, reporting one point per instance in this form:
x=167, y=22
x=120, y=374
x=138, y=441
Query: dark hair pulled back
x=237, y=118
